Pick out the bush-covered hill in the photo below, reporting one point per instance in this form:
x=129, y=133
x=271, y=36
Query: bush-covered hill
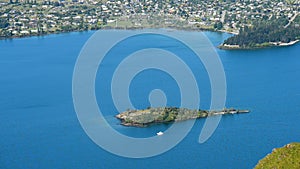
x=285, y=157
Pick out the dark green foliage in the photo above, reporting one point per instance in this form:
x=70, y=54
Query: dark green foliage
x=170, y=114
x=202, y=113
x=218, y=25
x=128, y=121
x=266, y=31
x=3, y=23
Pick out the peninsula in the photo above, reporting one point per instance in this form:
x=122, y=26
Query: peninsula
x=146, y=117
x=266, y=33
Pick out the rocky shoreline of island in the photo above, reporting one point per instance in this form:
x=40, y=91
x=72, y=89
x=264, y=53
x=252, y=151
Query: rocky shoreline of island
x=150, y=116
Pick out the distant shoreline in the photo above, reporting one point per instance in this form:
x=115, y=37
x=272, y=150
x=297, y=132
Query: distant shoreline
x=221, y=46
x=114, y=28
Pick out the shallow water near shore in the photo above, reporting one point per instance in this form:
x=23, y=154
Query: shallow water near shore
x=39, y=127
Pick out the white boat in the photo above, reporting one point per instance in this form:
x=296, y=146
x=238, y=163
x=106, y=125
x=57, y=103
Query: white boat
x=160, y=133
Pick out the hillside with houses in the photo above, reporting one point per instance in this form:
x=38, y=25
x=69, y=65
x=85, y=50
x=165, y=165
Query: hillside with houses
x=20, y=18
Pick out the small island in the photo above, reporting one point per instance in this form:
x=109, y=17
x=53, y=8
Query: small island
x=146, y=117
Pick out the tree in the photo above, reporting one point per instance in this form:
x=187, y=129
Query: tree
x=218, y=25
x=3, y=23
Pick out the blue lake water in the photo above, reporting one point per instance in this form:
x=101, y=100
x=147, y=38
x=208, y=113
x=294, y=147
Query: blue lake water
x=39, y=127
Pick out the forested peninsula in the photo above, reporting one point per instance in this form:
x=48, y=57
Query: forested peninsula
x=266, y=33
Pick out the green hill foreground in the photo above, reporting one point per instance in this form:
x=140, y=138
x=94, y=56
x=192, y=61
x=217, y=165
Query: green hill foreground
x=281, y=158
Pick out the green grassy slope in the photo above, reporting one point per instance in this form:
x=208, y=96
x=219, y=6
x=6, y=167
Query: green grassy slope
x=285, y=157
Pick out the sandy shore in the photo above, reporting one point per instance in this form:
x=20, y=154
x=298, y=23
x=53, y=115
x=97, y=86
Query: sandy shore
x=285, y=44
x=270, y=44
x=231, y=32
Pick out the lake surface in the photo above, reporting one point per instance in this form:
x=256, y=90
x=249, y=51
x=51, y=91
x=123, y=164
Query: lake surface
x=39, y=127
